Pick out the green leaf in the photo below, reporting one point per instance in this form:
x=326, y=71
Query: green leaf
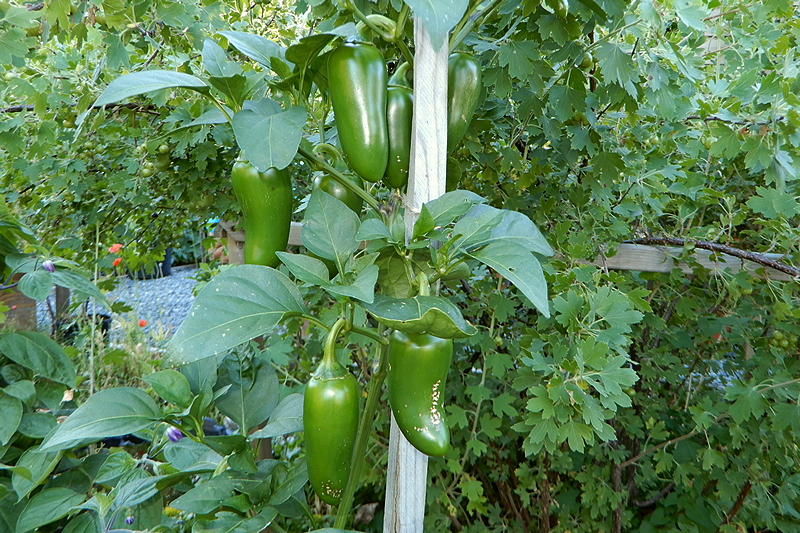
x=172, y=386
x=217, y=63
x=237, y=305
x=421, y=314
x=304, y=51
x=81, y=287
x=256, y=47
x=269, y=140
x=423, y=224
x=449, y=206
x=13, y=43
x=519, y=266
x=233, y=87
x=617, y=67
x=253, y=394
x=286, y=418
x=135, y=491
x=305, y=268
x=82, y=523
x=296, y=480
x=11, y=415
x=39, y=353
x=146, y=81
x=47, y=506
x=476, y=226
x=108, y=413
x=205, y=497
x=438, y=16
x=363, y=288
x=233, y=523
x=773, y=203
x=372, y=229
x=39, y=465
x=516, y=228
x=330, y=228
x=36, y=285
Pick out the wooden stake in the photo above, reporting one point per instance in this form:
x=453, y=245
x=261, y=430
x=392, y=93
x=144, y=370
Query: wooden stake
x=407, y=476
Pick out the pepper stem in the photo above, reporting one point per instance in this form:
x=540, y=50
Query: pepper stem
x=424, y=284
x=329, y=349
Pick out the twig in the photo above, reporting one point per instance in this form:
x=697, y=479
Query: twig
x=738, y=503
x=721, y=248
x=663, y=492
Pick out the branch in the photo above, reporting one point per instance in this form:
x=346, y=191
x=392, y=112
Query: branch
x=721, y=248
x=738, y=503
x=663, y=492
x=147, y=108
x=736, y=122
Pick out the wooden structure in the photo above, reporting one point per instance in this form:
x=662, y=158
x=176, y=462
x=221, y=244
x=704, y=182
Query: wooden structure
x=22, y=310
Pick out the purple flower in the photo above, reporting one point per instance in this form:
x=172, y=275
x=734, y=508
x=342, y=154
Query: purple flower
x=129, y=519
x=174, y=434
x=49, y=266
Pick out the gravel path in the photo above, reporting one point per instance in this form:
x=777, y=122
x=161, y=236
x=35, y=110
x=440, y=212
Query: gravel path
x=163, y=302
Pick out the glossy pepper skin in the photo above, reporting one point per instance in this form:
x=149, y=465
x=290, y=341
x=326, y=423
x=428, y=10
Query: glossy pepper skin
x=266, y=199
x=330, y=422
x=399, y=114
x=337, y=190
x=418, y=366
x=357, y=82
x=463, y=91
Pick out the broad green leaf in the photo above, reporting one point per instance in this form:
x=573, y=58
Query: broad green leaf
x=618, y=67
x=517, y=228
x=217, y=63
x=438, y=16
x=233, y=87
x=205, y=497
x=82, y=288
x=256, y=47
x=109, y=413
x=269, y=140
x=144, y=82
x=13, y=43
x=423, y=224
x=39, y=465
x=373, y=228
x=421, y=314
x=519, y=266
x=82, y=523
x=476, y=226
x=172, y=386
x=135, y=491
x=449, y=206
x=236, y=306
x=47, y=506
x=305, y=268
x=286, y=418
x=11, y=415
x=233, y=523
x=39, y=353
x=306, y=49
x=37, y=425
x=36, y=285
x=115, y=465
x=363, y=288
x=253, y=394
x=296, y=480
x=330, y=228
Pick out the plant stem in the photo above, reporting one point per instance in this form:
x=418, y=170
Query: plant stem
x=362, y=437
x=338, y=176
x=368, y=332
x=329, y=349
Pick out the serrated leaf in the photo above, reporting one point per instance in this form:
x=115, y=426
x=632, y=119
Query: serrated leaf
x=305, y=268
x=421, y=314
x=519, y=266
x=330, y=228
x=269, y=140
x=773, y=203
x=438, y=16
x=236, y=306
x=146, y=81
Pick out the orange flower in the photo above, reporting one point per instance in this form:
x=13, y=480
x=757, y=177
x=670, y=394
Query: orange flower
x=114, y=248
x=117, y=261
x=142, y=322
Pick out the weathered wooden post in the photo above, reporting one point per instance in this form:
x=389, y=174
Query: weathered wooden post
x=407, y=476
